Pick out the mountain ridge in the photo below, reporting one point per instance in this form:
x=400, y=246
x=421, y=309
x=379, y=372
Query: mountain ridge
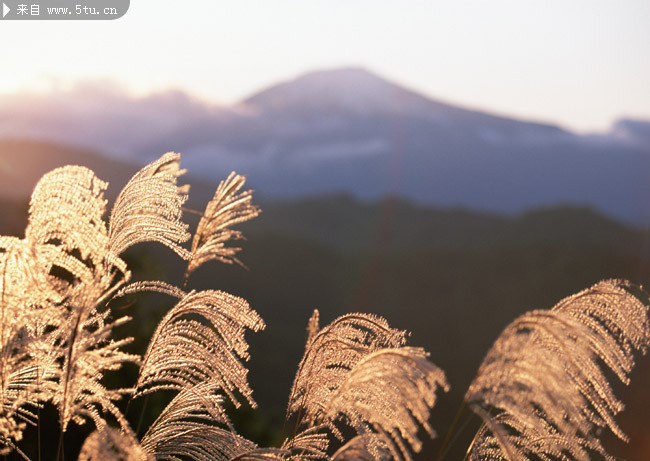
x=371, y=94
x=351, y=131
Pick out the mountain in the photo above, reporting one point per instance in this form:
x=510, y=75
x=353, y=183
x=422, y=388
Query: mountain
x=351, y=131
x=349, y=93
x=348, y=130
x=632, y=131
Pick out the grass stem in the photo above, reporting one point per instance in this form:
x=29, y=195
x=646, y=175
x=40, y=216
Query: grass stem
x=445, y=443
x=144, y=408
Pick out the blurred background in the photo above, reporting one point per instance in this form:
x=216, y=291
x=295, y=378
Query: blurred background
x=447, y=165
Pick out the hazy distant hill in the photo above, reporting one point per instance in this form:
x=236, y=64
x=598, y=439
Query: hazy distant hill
x=23, y=162
x=351, y=131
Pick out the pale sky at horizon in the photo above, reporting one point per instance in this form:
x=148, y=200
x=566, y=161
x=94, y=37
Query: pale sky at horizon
x=578, y=63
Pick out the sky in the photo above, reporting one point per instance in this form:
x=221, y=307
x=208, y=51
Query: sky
x=579, y=63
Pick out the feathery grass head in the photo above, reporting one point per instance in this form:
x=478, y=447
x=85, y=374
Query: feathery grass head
x=356, y=371
x=331, y=353
x=109, y=444
x=149, y=208
x=185, y=351
x=227, y=208
x=541, y=390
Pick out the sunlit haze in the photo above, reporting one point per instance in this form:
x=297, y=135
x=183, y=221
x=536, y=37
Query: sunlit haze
x=581, y=64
